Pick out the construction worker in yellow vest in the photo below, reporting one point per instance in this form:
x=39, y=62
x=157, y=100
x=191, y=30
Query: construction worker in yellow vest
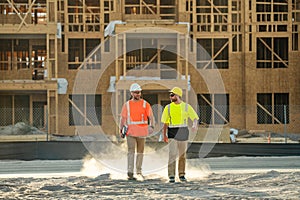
x=137, y=116
x=175, y=131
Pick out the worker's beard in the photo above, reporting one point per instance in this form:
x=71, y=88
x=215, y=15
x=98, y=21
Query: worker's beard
x=136, y=98
x=174, y=99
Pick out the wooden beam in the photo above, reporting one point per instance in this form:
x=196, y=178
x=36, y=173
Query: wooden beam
x=213, y=58
x=152, y=84
x=268, y=113
x=17, y=11
x=213, y=6
x=28, y=85
x=149, y=8
x=272, y=51
x=29, y=29
x=23, y=20
x=80, y=112
x=153, y=58
x=154, y=27
x=18, y=138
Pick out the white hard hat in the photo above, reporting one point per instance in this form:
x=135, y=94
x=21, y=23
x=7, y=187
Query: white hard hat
x=135, y=87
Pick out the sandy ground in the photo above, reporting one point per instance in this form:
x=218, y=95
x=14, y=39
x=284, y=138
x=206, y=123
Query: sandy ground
x=210, y=178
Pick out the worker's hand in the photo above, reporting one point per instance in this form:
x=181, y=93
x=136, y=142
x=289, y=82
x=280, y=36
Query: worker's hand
x=195, y=126
x=150, y=130
x=194, y=129
x=166, y=140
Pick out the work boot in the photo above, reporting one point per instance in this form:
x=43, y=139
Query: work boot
x=182, y=178
x=171, y=179
x=140, y=177
x=131, y=177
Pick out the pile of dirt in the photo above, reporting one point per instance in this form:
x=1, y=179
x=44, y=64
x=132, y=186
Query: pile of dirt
x=20, y=128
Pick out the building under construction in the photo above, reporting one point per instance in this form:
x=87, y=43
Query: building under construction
x=66, y=65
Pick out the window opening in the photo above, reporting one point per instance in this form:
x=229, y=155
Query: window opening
x=212, y=53
x=213, y=108
x=272, y=108
x=272, y=53
x=85, y=110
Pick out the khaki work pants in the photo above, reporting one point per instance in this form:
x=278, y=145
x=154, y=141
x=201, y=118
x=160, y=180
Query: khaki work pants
x=177, y=149
x=140, y=144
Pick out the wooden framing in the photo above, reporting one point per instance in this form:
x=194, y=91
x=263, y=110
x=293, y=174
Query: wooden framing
x=244, y=25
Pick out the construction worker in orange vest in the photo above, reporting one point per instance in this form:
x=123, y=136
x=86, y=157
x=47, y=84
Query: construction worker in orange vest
x=175, y=131
x=137, y=116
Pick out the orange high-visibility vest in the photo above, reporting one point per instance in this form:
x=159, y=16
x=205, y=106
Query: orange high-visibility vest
x=136, y=114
